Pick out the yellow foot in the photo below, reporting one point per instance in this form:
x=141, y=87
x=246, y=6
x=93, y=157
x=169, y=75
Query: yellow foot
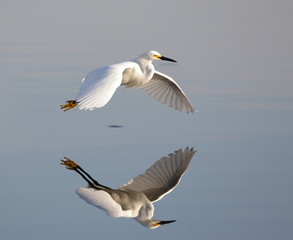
x=69, y=164
x=69, y=105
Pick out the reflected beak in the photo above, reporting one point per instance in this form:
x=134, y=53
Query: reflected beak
x=167, y=59
x=166, y=222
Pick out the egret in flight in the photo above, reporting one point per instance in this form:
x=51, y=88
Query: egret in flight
x=100, y=84
x=135, y=199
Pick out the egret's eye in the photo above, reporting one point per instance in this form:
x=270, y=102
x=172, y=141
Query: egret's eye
x=156, y=56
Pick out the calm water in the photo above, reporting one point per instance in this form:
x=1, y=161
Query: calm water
x=235, y=64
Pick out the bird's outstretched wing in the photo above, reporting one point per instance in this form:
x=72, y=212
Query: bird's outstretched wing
x=167, y=91
x=100, y=199
x=162, y=177
x=99, y=85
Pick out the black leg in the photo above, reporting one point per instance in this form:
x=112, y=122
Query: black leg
x=90, y=177
x=71, y=165
x=92, y=185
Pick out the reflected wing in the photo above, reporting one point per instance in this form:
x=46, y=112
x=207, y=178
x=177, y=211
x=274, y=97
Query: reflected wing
x=99, y=86
x=100, y=199
x=167, y=91
x=162, y=177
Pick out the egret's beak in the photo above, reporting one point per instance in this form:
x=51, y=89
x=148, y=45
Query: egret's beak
x=167, y=59
x=164, y=222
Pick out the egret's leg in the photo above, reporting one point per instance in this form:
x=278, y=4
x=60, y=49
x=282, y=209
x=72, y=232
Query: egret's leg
x=90, y=177
x=71, y=165
x=88, y=181
x=69, y=105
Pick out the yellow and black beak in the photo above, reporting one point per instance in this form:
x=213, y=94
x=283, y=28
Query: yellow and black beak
x=166, y=59
x=163, y=222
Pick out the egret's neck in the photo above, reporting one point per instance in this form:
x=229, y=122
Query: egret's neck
x=146, y=66
x=145, y=222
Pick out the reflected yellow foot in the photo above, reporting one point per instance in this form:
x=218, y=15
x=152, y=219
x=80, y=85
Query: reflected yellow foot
x=69, y=105
x=69, y=164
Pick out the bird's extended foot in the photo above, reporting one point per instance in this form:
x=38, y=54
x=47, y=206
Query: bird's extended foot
x=69, y=164
x=69, y=105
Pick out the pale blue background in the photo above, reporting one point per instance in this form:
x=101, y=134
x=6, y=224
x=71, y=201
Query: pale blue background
x=235, y=62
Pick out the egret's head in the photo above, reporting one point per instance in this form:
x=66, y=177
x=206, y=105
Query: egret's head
x=154, y=55
x=152, y=223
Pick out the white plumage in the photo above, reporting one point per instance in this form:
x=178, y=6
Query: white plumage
x=135, y=199
x=103, y=201
x=100, y=84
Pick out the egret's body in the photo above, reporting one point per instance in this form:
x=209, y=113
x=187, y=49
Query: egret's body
x=100, y=84
x=135, y=199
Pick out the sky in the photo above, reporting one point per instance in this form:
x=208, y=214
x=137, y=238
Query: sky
x=235, y=65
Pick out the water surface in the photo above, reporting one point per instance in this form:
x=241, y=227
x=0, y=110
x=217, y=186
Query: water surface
x=234, y=63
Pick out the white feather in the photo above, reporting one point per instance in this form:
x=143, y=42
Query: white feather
x=101, y=200
x=162, y=177
x=165, y=90
x=99, y=86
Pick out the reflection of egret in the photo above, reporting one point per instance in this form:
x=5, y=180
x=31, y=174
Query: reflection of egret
x=100, y=84
x=134, y=199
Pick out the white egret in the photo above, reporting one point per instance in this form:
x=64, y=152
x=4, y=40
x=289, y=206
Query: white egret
x=100, y=84
x=135, y=198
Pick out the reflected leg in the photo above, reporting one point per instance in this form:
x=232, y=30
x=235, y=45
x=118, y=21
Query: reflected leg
x=71, y=165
